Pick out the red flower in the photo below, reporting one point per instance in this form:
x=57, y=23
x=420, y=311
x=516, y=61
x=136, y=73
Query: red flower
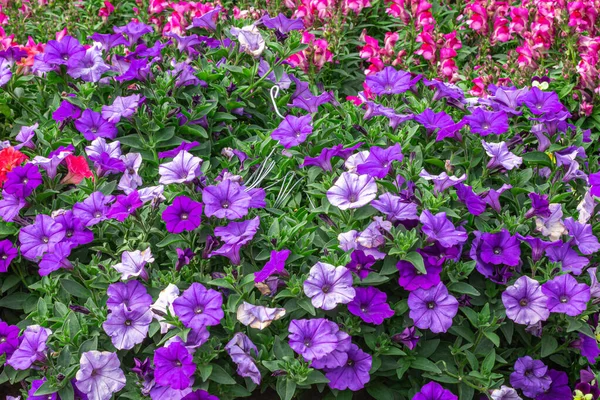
x=9, y=158
x=78, y=169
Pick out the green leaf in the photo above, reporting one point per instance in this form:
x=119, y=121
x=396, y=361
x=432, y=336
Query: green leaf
x=286, y=388
x=66, y=392
x=315, y=377
x=88, y=345
x=463, y=288
x=424, y=364
x=380, y=391
x=493, y=338
x=205, y=371
x=47, y=388
x=165, y=134
x=14, y=301
x=75, y=289
x=219, y=375
x=416, y=260
x=537, y=158
x=282, y=349
x=307, y=306
x=549, y=345
x=488, y=363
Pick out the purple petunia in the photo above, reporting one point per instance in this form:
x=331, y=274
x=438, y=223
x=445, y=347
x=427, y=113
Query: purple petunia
x=184, y=168
x=500, y=248
x=293, y=130
x=22, y=181
x=127, y=327
x=531, y=376
x=184, y=214
x=275, y=265
x=235, y=235
x=242, y=352
x=282, y=23
x=434, y=391
x=559, y=388
x=379, y=161
x=32, y=348
x=133, y=264
x=566, y=296
x=65, y=112
x=122, y=107
x=352, y=191
x=226, y=200
x=92, y=126
x=94, y=209
x=9, y=338
x=199, y=307
x=411, y=279
x=525, y=302
x=442, y=181
x=583, y=236
x=570, y=260
x=360, y=263
x=370, y=304
x=10, y=206
x=483, y=122
x=100, y=375
x=7, y=253
x=35, y=385
x=354, y=374
x=407, y=337
x=56, y=258
x=124, y=206
x=500, y=156
x=174, y=366
x=40, y=237
x=327, y=286
x=391, y=81
x=395, y=208
x=131, y=294
x=439, y=228
x=540, y=102
x=313, y=338
x=432, y=308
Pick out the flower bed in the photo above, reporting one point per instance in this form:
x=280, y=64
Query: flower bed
x=193, y=209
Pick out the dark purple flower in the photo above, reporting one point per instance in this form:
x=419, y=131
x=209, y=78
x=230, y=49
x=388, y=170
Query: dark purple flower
x=391, y=81
x=174, y=366
x=485, y=122
x=566, y=295
x=500, y=156
x=200, y=395
x=124, y=206
x=328, y=286
x=313, y=338
x=92, y=126
x=394, y=118
x=379, y=161
x=354, y=374
x=235, y=235
x=559, y=388
x=56, y=258
x=282, y=23
x=360, y=263
x=94, y=209
x=540, y=102
x=242, y=352
x=496, y=273
x=76, y=232
x=66, y=111
x=432, y=308
x=35, y=385
x=492, y=198
x=370, y=304
x=183, y=215
x=275, y=265
x=108, y=40
x=439, y=228
x=475, y=204
x=538, y=246
x=100, y=375
x=588, y=346
x=500, y=248
x=525, y=302
x=407, y=337
x=569, y=259
x=323, y=160
x=434, y=391
x=127, y=327
x=7, y=253
x=411, y=279
x=40, y=237
x=183, y=258
x=293, y=130
x=131, y=294
x=9, y=338
x=226, y=200
x=531, y=376
x=64, y=52
x=199, y=307
x=32, y=348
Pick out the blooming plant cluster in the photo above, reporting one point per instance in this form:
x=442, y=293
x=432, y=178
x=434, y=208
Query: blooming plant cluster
x=186, y=212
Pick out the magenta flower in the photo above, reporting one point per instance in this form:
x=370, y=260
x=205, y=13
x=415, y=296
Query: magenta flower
x=525, y=302
x=379, y=161
x=370, y=304
x=432, y=308
x=184, y=168
x=199, y=307
x=22, y=181
x=242, y=352
x=65, y=112
x=226, y=200
x=500, y=156
x=184, y=214
x=531, y=376
x=354, y=374
x=434, y=391
x=40, y=237
x=327, y=286
x=293, y=130
x=275, y=265
x=200, y=395
x=352, y=191
x=174, y=366
x=127, y=327
x=32, y=348
x=7, y=253
x=124, y=206
x=439, y=228
x=133, y=264
x=100, y=375
x=566, y=296
x=360, y=263
x=131, y=294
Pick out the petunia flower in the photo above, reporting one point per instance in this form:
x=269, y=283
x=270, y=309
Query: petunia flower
x=434, y=391
x=531, y=376
x=66, y=51
x=442, y=181
x=40, y=237
x=483, y=122
x=293, y=130
x=439, y=228
x=313, y=338
x=22, y=181
x=134, y=31
x=370, y=304
x=94, y=209
x=25, y=136
x=78, y=170
x=184, y=256
x=187, y=146
x=565, y=295
x=124, y=206
x=107, y=40
x=500, y=248
x=505, y=393
x=525, y=302
x=360, y=263
x=10, y=206
x=552, y=225
x=184, y=168
x=242, y=352
x=100, y=375
x=258, y=317
x=411, y=279
x=352, y=191
x=226, y=200
x=559, y=388
x=7, y=253
x=92, y=126
x=165, y=302
x=538, y=246
x=131, y=294
x=122, y=107
x=282, y=23
x=207, y=20
x=354, y=374
x=391, y=81
x=130, y=180
x=133, y=264
x=327, y=286
x=582, y=236
x=407, y=337
x=379, y=161
x=66, y=112
x=275, y=265
x=251, y=41
x=323, y=160
x=200, y=395
x=541, y=102
x=500, y=156
x=32, y=348
x=184, y=214
x=432, y=308
x=56, y=258
x=174, y=366
x=235, y=235
x=35, y=385
x=199, y=307
x=9, y=338
x=90, y=67
x=570, y=260
x=127, y=327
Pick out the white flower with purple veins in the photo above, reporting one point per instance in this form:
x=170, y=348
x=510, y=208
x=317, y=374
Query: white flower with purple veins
x=355, y=160
x=133, y=264
x=500, y=156
x=165, y=301
x=352, y=191
x=258, y=317
x=251, y=41
x=130, y=180
x=552, y=226
x=122, y=107
x=100, y=375
x=100, y=146
x=327, y=286
x=184, y=168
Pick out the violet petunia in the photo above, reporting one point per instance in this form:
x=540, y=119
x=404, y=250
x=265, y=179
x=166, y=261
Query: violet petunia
x=25, y=136
x=100, y=375
x=500, y=248
x=354, y=374
x=432, y=308
x=134, y=31
x=313, y=338
x=131, y=294
x=407, y=337
x=94, y=209
x=124, y=206
x=184, y=214
x=559, y=388
x=434, y=391
x=570, y=260
x=379, y=161
x=360, y=263
x=7, y=253
x=483, y=122
x=565, y=295
x=35, y=385
x=174, y=366
x=127, y=327
x=66, y=112
x=10, y=206
x=56, y=258
x=391, y=81
x=187, y=146
x=9, y=338
x=352, y=191
x=370, y=304
x=583, y=236
x=282, y=23
x=293, y=130
x=275, y=265
x=530, y=376
x=40, y=237
x=199, y=307
x=22, y=181
x=540, y=102
x=32, y=347
x=235, y=235
x=411, y=279
x=327, y=286
x=133, y=264
x=227, y=200
x=500, y=156
x=184, y=168
x=122, y=107
x=92, y=126
x=525, y=302
x=242, y=352
x=442, y=181
x=439, y=228
x=164, y=305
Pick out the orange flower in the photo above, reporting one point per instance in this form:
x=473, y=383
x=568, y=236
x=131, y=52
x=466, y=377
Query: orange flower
x=78, y=169
x=9, y=158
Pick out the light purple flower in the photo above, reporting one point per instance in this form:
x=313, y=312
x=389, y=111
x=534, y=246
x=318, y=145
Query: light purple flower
x=184, y=168
x=100, y=375
x=313, y=338
x=226, y=200
x=379, y=161
x=432, y=308
x=94, y=209
x=530, y=376
x=327, y=286
x=525, y=302
x=10, y=206
x=127, y=327
x=40, y=237
x=131, y=294
x=583, y=236
x=500, y=156
x=258, y=317
x=293, y=130
x=25, y=136
x=442, y=181
x=566, y=295
x=354, y=374
x=122, y=107
x=352, y=191
x=133, y=264
x=199, y=307
x=32, y=348
x=395, y=208
x=439, y=228
x=242, y=352
x=235, y=235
